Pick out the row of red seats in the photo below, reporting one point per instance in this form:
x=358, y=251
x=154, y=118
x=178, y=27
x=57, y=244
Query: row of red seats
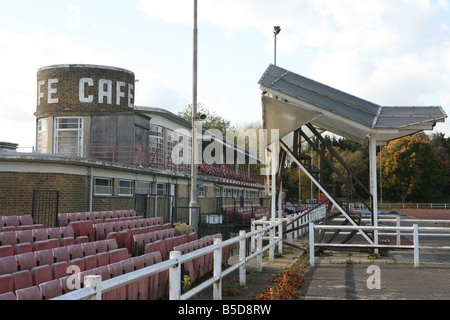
x=30, y=236
x=244, y=214
x=125, y=237
x=65, y=218
x=102, y=229
x=33, y=269
x=200, y=266
x=144, y=289
x=24, y=241
x=141, y=240
x=16, y=221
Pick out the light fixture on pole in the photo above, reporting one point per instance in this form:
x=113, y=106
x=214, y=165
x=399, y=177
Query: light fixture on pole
x=276, y=31
x=193, y=205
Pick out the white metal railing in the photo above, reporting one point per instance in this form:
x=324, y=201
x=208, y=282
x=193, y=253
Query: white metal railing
x=444, y=206
x=414, y=230
x=94, y=287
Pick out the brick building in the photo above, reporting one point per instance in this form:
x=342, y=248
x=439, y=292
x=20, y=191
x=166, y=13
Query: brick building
x=101, y=152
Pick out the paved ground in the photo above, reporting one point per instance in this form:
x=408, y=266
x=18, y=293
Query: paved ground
x=344, y=275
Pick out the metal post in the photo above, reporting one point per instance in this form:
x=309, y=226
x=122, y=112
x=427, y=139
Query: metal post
x=253, y=238
x=259, y=257
x=96, y=283
x=289, y=235
x=175, y=277
x=276, y=31
x=271, y=241
x=217, y=287
x=242, y=268
x=373, y=185
x=280, y=217
x=398, y=231
x=416, y=246
x=311, y=244
x=193, y=219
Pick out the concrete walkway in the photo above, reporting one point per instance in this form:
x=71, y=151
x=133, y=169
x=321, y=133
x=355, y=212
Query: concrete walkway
x=353, y=275
x=345, y=275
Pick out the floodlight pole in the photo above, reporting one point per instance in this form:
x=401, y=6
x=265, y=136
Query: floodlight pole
x=193, y=205
x=276, y=31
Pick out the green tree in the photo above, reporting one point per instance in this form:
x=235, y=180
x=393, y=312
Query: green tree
x=412, y=168
x=212, y=121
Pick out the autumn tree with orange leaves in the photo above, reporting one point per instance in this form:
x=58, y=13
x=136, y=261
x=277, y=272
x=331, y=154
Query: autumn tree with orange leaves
x=411, y=168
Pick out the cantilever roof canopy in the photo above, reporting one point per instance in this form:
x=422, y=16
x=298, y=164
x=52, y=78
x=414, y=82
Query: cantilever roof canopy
x=291, y=100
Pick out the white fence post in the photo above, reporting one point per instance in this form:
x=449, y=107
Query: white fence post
x=96, y=283
x=259, y=257
x=252, y=239
x=242, y=268
x=416, y=245
x=175, y=277
x=311, y=244
x=217, y=286
x=271, y=240
x=398, y=231
x=289, y=235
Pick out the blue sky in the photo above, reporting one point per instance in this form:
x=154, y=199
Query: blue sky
x=389, y=52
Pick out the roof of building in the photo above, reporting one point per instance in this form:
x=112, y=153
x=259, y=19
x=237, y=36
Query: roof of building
x=338, y=112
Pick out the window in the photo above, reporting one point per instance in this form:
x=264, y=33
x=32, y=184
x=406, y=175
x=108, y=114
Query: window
x=42, y=136
x=156, y=144
x=103, y=187
x=217, y=192
x=125, y=188
x=144, y=188
x=161, y=189
x=69, y=136
x=201, y=192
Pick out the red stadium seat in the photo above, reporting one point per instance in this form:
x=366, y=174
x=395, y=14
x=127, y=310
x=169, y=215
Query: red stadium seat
x=54, y=233
x=30, y=293
x=115, y=269
x=44, y=257
x=102, y=259
x=11, y=221
x=40, y=234
x=90, y=262
x=23, y=248
x=59, y=269
x=132, y=288
x=6, y=283
x=50, y=289
x=41, y=274
x=143, y=284
x=61, y=254
x=8, y=238
x=24, y=236
x=6, y=251
x=26, y=261
x=8, y=265
x=26, y=220
x=118, y=255
x=76, y=251
x=22, y=279
x=89, y=248
x=8, y=296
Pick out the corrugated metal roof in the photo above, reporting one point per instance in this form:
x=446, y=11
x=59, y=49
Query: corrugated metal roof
x=339, y=109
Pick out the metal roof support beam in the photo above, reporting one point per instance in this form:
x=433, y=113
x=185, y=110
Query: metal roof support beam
x=288, y=152
x=373, y=184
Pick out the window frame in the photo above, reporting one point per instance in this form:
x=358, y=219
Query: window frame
x=109, y=186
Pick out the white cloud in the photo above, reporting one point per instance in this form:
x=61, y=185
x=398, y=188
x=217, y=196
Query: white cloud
x=21, y=55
